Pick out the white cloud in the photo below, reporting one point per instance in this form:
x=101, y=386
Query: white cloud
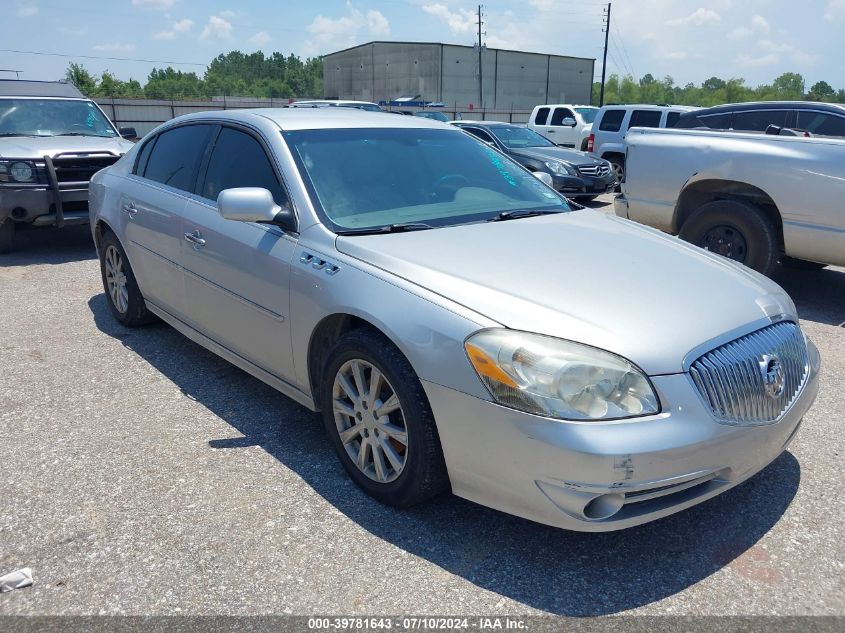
x=762, y=60
x=677, y=55
x=759, y=23
x=158, y=5
x=217, y=28
x=699, y=17
x=183, y=25
x=459, y=21
x=542, y=5
x=27, y=9
x=835, y=10
x=228, y=13
x=115, y=48
x=165, y=35
x=377, y=23
x=329, y=33
x=739, y=33
x=262, y=38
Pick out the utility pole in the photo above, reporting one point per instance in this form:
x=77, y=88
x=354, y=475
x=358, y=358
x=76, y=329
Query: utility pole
x=480, y=70
x=604, y=61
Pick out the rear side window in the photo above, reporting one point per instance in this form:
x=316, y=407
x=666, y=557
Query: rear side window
x=481, y=134
x=239, y=160
x=645, y=118
x=819, y=123
x=176, y=156
x=758, y=120
x=612, y=121
x=672, y=118
x=542, y=116
x=716, y=121
x=560, y=114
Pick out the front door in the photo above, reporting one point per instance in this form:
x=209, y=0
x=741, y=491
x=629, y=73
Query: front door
x=237, y=273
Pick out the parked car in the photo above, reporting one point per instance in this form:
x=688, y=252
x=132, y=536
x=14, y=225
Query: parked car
x=339, y=103
x=574, y=174
x=754, y=198
x=564, y=124
x=825, y=119
x=432, y=114
x=457, y=324
x=607, y=138
x=52, y=140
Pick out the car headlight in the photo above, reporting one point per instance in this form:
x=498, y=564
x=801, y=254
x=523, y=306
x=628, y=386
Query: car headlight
x=559, y=379
x=21, y=172
x=561, y=169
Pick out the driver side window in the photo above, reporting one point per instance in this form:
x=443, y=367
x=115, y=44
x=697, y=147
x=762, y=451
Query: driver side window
x=239, y=160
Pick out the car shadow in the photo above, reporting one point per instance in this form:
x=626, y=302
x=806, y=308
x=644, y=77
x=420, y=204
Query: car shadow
x=568, y=573
x=819, y=295
x=51, y=245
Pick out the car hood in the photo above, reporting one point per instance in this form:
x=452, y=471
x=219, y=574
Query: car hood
x=583, y=276
x=34, y=147
x=556, y=153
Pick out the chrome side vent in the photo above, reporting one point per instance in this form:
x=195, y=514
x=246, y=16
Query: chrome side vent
x=318, y=263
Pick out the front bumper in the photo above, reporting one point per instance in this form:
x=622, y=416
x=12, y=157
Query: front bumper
x=41, y=205
x=551, y=471
x=577, y=186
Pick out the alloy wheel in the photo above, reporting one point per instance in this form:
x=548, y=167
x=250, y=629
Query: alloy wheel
x=369, y=419
x=116, y=279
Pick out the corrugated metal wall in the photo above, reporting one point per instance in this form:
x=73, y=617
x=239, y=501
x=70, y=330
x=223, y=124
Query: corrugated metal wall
x=513, y=80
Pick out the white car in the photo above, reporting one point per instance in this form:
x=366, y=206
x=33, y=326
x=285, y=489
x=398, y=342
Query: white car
x=607, y=139
x=563, y=124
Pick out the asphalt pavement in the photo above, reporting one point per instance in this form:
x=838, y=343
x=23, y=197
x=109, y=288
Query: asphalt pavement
x=142, y=475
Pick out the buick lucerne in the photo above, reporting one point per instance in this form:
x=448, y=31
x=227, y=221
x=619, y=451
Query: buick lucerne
x=455, y=322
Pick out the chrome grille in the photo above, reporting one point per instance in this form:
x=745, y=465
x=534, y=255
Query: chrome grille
x=594, y=170
x=732, y=379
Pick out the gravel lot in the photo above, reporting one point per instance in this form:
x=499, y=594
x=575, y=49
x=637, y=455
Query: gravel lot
x=143, y=475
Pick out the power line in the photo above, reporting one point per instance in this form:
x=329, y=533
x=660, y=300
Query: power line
x=624, y=48
x=117, y=59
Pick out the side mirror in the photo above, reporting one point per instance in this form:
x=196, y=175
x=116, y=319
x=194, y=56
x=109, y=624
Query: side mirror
x=128, y=133
x=568, y=122
x=254, y=204
x=543, y=177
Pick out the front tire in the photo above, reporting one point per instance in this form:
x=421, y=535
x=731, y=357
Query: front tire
x=7, y=236
x=122, y=293
x=379, y=421
x=736, y=230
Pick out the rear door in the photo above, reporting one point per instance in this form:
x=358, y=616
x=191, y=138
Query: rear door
x=237, y=273
x=152, y=201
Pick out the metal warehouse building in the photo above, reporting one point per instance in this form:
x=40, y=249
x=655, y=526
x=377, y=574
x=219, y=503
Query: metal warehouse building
x=447, y=73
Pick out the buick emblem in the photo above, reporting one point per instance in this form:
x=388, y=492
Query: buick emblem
x=774, y=380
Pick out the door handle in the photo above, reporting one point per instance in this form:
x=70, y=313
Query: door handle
x=195, y=238
x=550, y=131
x=129, y=208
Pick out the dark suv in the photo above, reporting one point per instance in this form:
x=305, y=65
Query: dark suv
x=819, y=119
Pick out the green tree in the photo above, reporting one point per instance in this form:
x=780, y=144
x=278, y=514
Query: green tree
x=789, y=86
x=81, y=78
x=821, y=91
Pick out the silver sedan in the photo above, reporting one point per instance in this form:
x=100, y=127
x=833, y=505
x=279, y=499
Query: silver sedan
x=455, y=322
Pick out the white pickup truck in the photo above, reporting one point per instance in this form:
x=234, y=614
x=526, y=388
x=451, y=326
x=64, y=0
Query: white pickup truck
x=759, y=199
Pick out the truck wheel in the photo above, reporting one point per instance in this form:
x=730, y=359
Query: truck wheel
x=736, y=230
x=618, y=170
x=379, y=421
x=122, y=293
x=7, y=236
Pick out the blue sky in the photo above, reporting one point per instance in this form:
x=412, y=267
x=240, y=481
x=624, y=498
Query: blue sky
x=688, y=39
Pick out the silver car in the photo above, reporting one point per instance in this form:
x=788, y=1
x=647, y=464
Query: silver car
x=455, y=322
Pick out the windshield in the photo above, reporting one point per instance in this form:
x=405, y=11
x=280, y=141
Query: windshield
x=588, y=114
x=376, y=177
x=52, y=117
x=515, y=137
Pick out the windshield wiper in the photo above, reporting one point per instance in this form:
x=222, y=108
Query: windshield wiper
x=522, y=213
x=390, y=228
x=83, y=134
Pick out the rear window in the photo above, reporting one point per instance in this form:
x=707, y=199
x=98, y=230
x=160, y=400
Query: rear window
x=645, y=118
x=588, y=114
x=612, y=120
x=542, y=116
x=758, y=120
x=819, y=123
x=672, y=118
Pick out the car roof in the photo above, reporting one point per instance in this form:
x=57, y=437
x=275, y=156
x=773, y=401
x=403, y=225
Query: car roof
x=486, y=123
x=774, y=105
x=650, y=106
x=315, y=118
x=26, y=88
x=567, y=105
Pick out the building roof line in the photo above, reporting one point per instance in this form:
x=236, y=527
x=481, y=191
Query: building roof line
x=505, y=50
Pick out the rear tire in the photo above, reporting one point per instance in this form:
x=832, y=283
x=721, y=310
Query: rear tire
x=736, y=230
x=618, y=166
x=7, y=236
x=404, y=439
x=122, y=293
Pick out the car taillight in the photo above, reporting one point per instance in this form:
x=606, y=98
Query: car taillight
x=590, y=140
